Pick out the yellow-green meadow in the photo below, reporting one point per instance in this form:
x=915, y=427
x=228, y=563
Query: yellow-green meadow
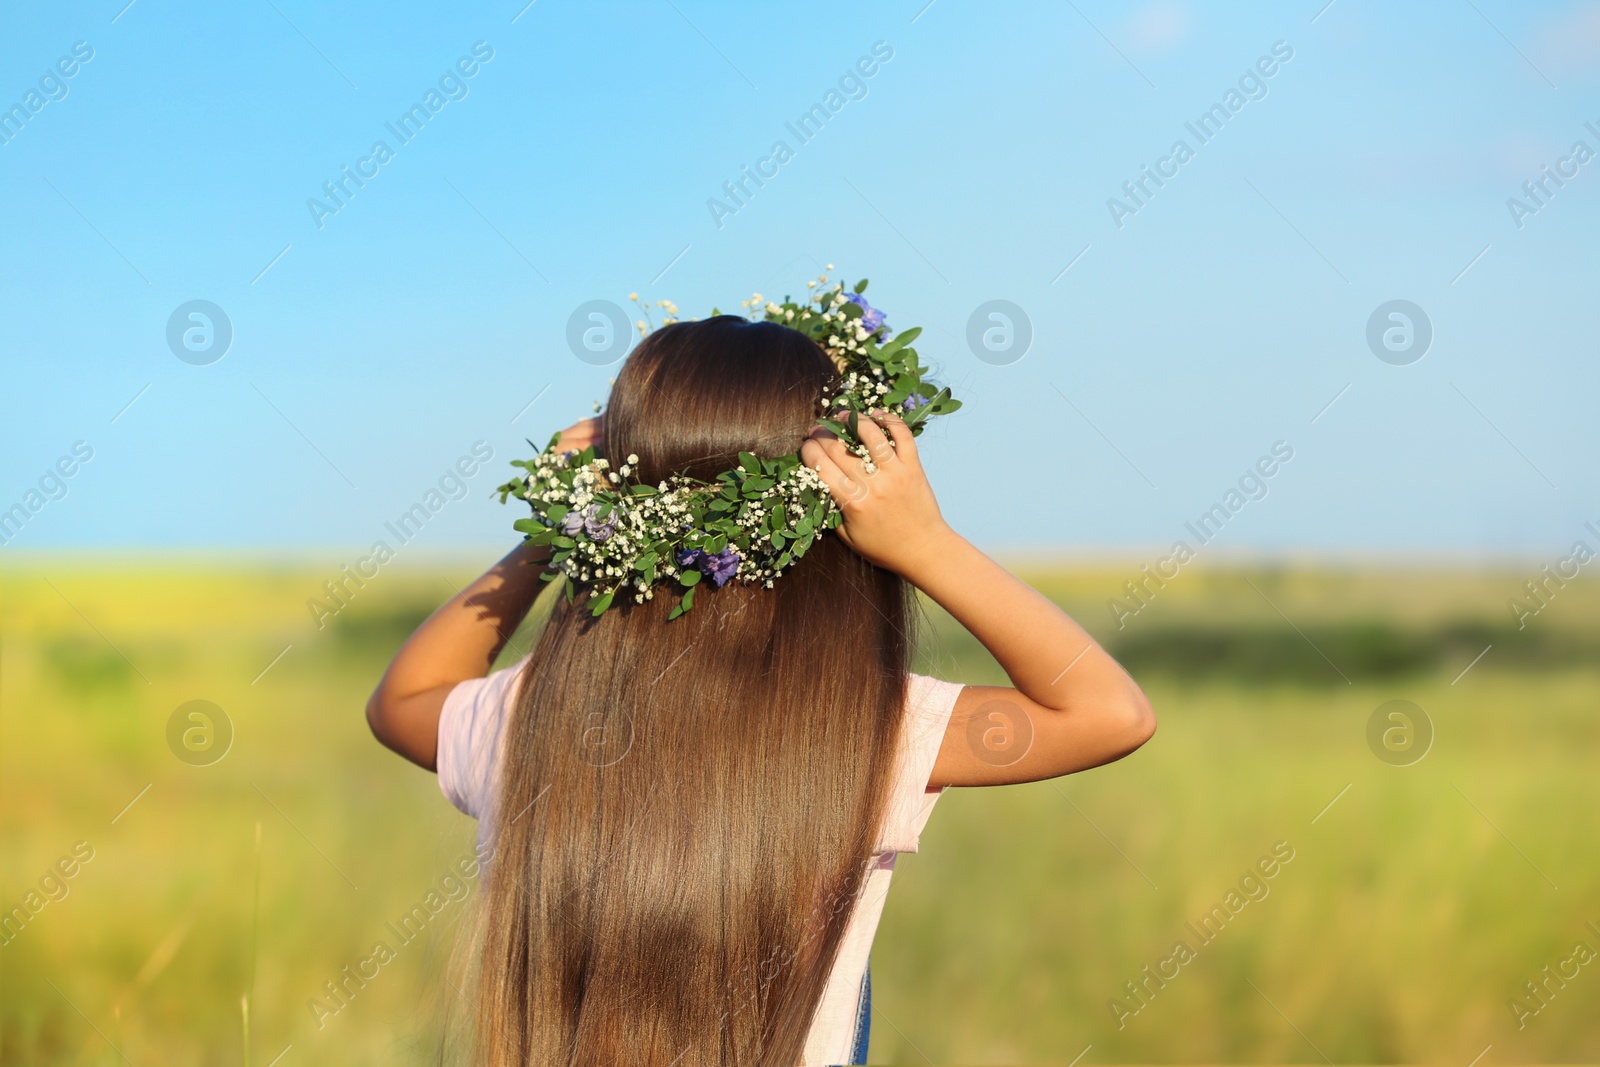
x=1408, y=902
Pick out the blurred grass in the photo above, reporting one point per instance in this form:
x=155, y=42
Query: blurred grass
x=1414, y=907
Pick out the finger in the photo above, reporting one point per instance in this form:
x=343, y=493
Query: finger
x=877, y=444
x=905, y=442
x=840, y=485
x=841, y=454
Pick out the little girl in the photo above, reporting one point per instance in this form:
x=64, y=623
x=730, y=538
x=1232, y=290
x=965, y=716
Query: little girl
x=693, y=821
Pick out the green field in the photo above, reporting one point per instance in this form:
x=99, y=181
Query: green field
x=1413, y=908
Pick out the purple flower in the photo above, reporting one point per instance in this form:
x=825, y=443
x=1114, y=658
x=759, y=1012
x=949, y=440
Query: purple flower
x=724, y=565
x=871, y=317
x=597, y=528
x=589, y=522
x=719, y=568
x=914, y=401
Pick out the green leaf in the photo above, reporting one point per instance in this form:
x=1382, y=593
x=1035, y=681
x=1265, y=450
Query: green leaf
x=838, y=428
x=688, y=598
x=749, y=462
x=861, y=286
x=917, y=417
x=689, y=578
x=557, y=512
x=563, y=541
x=902, y=339
x=778, y=539
x=599, y=607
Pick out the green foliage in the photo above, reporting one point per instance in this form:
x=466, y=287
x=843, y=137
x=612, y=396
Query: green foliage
x=1323, y=652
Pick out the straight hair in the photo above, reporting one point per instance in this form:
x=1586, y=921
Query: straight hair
x=688, y=809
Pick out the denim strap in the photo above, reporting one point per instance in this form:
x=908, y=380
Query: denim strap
x=858, y=1044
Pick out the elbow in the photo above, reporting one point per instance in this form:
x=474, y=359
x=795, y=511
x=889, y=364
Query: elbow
x=376, y=717
x=1139, y=717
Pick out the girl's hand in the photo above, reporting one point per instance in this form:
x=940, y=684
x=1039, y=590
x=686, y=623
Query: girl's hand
x=583, y=433
x=890, y=515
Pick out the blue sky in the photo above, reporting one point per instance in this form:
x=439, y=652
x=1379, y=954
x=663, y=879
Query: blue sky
x=1170, y=353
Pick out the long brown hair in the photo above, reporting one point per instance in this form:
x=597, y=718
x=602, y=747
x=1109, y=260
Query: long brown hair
x=687, y=809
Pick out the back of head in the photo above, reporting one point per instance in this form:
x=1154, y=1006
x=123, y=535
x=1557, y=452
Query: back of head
x=688, y=807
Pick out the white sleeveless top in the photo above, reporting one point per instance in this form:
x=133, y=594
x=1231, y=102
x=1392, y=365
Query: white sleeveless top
x=470, y=731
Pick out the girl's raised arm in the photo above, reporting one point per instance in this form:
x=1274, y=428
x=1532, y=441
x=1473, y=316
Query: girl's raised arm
x=457, y=642
x=460, y=640
x=1071, y=706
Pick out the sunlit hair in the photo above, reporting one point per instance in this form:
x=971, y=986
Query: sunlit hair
x=688, y=809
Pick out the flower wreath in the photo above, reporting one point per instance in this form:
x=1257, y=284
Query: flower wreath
x=607, y=533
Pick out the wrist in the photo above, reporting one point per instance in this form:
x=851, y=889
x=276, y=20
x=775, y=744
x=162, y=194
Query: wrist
x=932, y=555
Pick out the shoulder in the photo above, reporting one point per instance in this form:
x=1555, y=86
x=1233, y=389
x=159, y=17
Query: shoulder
x=471, y=726
x=930, y=700
x=929, y=703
